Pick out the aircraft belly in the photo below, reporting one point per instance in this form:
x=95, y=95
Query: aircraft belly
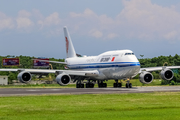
x=120, y=72
x=115, y=72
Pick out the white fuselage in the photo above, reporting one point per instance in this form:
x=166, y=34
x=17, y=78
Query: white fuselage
x=120, y=64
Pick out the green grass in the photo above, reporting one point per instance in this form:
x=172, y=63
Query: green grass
x=135, y=82
x=137, y=106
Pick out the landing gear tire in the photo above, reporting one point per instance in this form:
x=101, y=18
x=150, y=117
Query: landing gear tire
x=127, y=86
x=82, y=85
x=130, y=85
x=102, y=85
x=89, y=85
x=119, y=85
x=115, y=85
x=79, y=85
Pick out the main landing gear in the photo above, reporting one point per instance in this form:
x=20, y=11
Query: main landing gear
x=101, y=84
x=115, y=85
x=80, y=84
x=118, y=85
x=90, y=84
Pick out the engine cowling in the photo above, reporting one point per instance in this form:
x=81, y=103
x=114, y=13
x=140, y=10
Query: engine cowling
x=146, y=77
x=166, y=74
x=24, y=77
x=63, y=79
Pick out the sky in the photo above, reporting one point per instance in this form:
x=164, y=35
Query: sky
x=35, y=28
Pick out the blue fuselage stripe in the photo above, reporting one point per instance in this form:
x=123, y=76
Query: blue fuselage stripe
x=103, y=65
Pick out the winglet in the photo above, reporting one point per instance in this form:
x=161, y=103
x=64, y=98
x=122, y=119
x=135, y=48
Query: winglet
x=70, y=52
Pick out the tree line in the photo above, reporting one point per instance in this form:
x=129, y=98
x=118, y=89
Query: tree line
x=27, y=62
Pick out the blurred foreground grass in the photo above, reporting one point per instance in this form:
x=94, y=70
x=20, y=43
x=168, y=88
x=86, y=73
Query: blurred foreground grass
x=134, y=106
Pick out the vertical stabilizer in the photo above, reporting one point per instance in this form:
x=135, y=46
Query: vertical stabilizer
x=70, y=52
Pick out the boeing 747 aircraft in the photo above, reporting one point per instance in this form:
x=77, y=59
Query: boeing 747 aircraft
x=112, y=65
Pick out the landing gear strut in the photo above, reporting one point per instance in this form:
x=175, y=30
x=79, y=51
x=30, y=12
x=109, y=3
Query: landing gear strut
x=115, y=85
x=101, y=84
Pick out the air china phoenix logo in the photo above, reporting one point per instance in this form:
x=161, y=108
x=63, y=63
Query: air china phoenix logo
x=67, y=45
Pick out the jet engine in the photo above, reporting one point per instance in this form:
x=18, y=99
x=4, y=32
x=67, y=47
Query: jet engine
x=24, y=77
x=63, y=79
x=166, y=74
x=146, y=77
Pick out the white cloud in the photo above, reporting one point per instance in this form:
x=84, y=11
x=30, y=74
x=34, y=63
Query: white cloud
x=88, y=13
x=52, y=19
x=171, y=35
x=147, y=20
x=26, y=21
x=96, y=33
x=24, y=13
x=112, y=35
x=5, y=22
x=89, y=22
x=23, y=21
x=139, y=19
x=37, y=14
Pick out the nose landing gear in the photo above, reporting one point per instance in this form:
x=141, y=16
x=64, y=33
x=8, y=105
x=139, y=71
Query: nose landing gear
x=128, y=85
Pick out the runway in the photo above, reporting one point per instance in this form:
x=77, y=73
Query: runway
x=48, y=91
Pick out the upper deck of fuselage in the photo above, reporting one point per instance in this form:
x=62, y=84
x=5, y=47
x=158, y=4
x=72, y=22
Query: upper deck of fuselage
x=106, y=57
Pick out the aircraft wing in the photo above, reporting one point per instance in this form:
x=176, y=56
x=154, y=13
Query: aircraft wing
x=150, y=69
x=43, y=71
x=7, y=70
x=52, y=61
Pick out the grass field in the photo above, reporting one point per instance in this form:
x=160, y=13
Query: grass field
x=135, y=106
x=135, y=82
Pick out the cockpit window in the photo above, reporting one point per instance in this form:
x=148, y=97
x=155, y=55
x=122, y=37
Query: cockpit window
x=129, y=53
